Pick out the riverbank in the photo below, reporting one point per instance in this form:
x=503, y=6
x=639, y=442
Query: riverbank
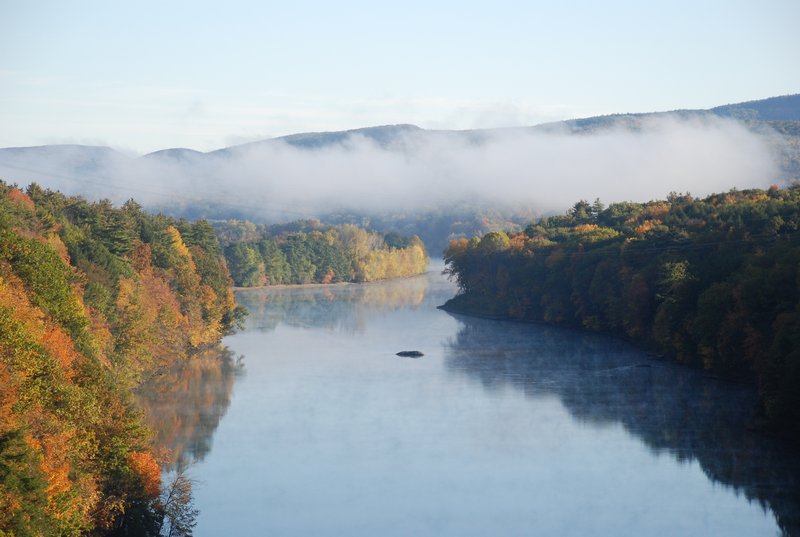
x=466, y=305
x=331, y=285
x=711, y=283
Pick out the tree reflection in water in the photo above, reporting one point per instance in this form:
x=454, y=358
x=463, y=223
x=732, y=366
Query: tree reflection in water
x=184, y=403
x=672, y=409
x=344, y=308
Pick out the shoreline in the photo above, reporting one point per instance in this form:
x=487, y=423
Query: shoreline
x=294, y=286
x=319, y=285
x=454, y=307
x=652, y=353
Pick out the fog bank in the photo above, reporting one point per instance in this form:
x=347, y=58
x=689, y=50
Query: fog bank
x=544, y=170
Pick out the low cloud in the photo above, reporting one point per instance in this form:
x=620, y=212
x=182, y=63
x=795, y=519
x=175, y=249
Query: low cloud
x=543, y=170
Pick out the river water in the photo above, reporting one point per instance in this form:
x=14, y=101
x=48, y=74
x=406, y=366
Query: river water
x=501, y=428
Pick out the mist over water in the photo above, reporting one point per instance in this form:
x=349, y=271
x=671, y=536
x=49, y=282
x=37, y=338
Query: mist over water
x=544, y=169
x=501, y=428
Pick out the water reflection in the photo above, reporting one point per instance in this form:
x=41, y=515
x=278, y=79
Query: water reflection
x=670, y=408
x=185, y=403
x=501, y=429
x=344, y=308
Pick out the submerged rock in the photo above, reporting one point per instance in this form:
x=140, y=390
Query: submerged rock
x=410, y=354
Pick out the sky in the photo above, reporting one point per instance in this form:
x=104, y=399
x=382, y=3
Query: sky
x=142, y=76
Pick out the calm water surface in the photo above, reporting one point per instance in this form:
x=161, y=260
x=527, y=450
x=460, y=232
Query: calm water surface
x=500, y=429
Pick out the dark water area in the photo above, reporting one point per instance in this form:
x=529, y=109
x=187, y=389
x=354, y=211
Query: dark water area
x=675, y=412
x=501, y=428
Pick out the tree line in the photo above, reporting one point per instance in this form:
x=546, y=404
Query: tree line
x=307, y=251
x=93, y=300
x=712, y=282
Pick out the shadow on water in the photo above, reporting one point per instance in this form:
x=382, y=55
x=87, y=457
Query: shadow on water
x=185, y=403
x=345, y=308
x=670, y=408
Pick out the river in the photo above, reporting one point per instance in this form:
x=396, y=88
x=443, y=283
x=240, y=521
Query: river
x=311, y=425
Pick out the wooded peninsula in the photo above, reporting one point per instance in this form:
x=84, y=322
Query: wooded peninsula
x=306, y=251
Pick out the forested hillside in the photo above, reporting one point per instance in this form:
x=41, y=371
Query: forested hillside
x=93, y=299
x=712, y=282
x=306, y=251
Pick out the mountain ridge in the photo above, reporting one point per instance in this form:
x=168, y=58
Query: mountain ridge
x=780, y=108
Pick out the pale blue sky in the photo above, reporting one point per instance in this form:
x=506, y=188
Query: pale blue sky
x=149, y=75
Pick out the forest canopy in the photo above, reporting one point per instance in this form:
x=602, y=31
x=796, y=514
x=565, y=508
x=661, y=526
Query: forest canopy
x=712, y=282
x=93, y=300
x=307, y=251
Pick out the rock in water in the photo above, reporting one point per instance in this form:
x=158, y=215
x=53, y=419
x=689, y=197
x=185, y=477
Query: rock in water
x=410, y=354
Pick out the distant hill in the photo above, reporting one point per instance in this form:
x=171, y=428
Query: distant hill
x=383, y=135
x=784, y=108
x=70, y=168
x=774, y=111
x=77, y=158
x=782, y=113
x=178, y=154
